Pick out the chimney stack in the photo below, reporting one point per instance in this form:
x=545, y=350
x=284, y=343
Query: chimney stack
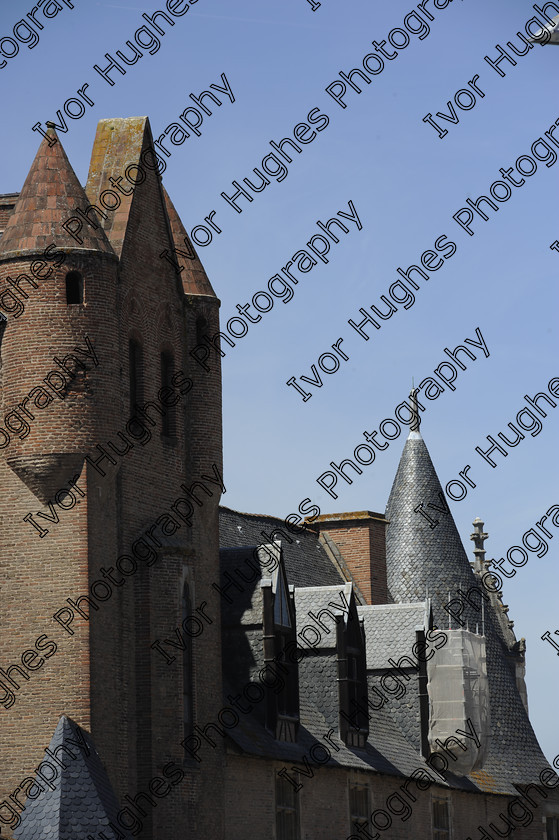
x=360, y=537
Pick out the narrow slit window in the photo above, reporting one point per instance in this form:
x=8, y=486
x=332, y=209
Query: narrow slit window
x=169, y=420
x=201, y=326
x=136, y=373
x=74, y=288
x=359, y=806
x=187, y=665
x=552, y=828
x=287, y=810
x=441, y=819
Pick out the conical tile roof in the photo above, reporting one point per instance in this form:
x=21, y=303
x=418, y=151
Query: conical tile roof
x=424, y=560
x=82, y=802
x=194, y=278
x=420, y=557
x=49, y=197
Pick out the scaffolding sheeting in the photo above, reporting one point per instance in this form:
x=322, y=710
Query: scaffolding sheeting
x=459, y=726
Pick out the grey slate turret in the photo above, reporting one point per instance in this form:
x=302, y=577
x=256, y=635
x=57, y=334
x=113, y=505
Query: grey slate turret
x=421, y=556
x=422, y=560
x=79, y=801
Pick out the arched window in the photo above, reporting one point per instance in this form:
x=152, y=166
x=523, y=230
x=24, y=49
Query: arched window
x=187, y=667
x=169, y=420
x=74, y=287
x=136, y=373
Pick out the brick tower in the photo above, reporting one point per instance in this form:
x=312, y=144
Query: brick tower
x=110, y=467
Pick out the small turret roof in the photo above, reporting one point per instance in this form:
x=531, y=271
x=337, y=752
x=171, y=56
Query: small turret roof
x=49, y=197
x=419, y=556
x=80, y=800
x=194, y=278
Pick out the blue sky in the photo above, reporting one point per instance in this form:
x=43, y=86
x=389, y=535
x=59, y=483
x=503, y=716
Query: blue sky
x=405, y=183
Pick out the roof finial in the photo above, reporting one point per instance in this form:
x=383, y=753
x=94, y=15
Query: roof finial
x=414, y=425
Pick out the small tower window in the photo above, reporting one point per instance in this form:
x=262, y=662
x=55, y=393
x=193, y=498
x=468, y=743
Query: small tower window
x=136, y=373
x=201, y=326
x=74, y=287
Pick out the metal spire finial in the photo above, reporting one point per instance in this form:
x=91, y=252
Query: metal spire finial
x=414, y=425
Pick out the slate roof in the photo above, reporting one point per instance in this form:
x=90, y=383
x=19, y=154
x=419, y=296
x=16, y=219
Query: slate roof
x=82, y=802
x=390, y=634
x=392, y=747
x=247, y=566
x=423, y=566
x=422, y=559
x=390, y=631
x=306, y=561
x=387, y=751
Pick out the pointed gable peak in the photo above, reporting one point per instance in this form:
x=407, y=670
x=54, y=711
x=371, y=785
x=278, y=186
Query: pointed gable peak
x=194, y=278
x=125, y=164
x=49, y=197
x=118, y=144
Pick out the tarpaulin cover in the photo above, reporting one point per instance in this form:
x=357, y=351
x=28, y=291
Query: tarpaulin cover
x=459, y=701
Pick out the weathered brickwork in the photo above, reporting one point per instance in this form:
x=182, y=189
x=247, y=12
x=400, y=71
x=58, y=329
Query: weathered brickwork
x=105, y=676
x=324, y=805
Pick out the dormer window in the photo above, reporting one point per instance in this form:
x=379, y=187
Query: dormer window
x=282, y=706
x=352, y=681
x=74, y=288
